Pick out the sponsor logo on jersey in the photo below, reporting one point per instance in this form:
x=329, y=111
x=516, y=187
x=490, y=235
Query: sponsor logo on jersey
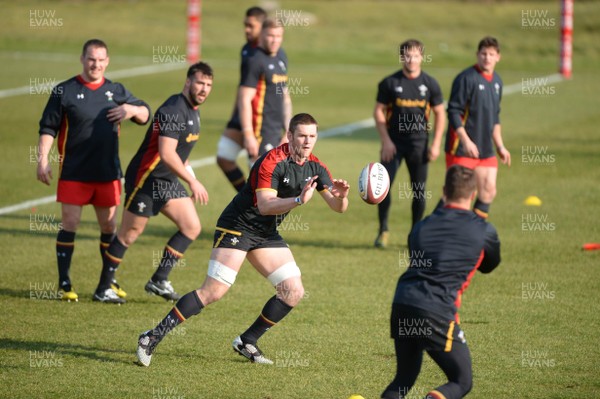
x=192, y=137
x=401, y=102
x=279, y=78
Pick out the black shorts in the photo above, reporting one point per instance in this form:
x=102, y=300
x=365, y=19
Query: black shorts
x=149, y=199
x=246, y=241
x=234, y=123
x=428, y=331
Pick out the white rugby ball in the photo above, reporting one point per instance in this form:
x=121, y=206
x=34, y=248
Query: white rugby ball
x=373, y=183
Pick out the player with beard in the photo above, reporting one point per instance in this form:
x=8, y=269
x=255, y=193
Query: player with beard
x=152, y=185
x=281, y=180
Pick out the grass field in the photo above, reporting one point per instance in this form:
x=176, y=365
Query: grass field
x=530, y=324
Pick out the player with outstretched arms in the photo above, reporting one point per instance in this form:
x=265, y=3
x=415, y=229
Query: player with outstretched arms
x=281, y=180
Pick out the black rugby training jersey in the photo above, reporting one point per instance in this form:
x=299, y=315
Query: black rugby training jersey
x=87, y=142
x=446, y=249
x=409, y=103
x=175, y=118
x=269, y=76
x=276, y=171
x=475, y=104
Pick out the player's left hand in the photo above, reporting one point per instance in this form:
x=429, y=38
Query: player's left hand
x=504, y=155
x=339, y=188
x=199, y=193
x=433, y=153
x=120, y=113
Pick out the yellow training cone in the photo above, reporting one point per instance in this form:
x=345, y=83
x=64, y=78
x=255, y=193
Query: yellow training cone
x=532, y=200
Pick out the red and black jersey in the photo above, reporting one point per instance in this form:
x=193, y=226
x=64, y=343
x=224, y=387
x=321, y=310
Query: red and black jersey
x=474, y=104
x=76, y=115
x=175, y=118
x=268, y=75
x=278, y=172
x=445, y=250
x=409, y=102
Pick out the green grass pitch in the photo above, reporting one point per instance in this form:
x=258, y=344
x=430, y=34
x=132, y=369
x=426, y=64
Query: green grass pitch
x=531, y=325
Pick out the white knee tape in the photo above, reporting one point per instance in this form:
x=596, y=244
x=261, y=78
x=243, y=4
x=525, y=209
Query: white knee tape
x=284, y=272
x=228, y=149
x=221, y=273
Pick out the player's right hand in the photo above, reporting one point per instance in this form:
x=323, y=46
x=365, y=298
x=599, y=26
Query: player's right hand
x=388, y=150
x=471, y=149
x=251, y=145
x=199, y=193
x=44, y=173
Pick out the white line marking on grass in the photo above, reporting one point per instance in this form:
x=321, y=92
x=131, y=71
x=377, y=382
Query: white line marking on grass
x=124, y=73
x=347, y=129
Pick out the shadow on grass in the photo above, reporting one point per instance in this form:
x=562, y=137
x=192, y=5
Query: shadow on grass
x=74, y=350
x=15, y=293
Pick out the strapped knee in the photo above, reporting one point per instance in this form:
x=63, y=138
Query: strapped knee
x=221, y=273
x=284, y=272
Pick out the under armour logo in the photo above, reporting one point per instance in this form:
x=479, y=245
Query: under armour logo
x=481, y=87
x=80, y=96
x=141, y=207
x=286, y=180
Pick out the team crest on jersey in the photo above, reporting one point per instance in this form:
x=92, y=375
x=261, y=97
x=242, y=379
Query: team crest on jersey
x=398, y=89
x=497, y=87
x=109, y=95
x=481, y=87
x=282, y=65
x=423, y=90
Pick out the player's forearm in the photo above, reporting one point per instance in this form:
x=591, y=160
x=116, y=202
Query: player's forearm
x=497, y=137
x=287, y=110
x=276, y=205
x=339, y=205
x=44, y=145
x=175, y=165
x=140, y=114
x=438, y=127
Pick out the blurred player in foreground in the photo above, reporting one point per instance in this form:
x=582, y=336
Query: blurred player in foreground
x=404, y=102
x=152, y=185
x=264, y=105
x=232, y=139
x=446, y=249
x=474, y=123
x=281, y=180
x=84, y=114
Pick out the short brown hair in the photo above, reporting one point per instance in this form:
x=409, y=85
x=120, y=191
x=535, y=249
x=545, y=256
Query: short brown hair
x=302, y=119
x=409, y=44
x=271, y=23
x=94, y=43
x=200, y=67
x=488, y=41
x=460, y=183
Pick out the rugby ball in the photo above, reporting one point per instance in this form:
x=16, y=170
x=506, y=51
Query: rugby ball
x=373, y=183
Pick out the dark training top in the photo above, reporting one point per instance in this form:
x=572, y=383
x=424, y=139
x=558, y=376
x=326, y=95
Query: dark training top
x=278, y=172
x=446, y=249
x=175, y=118
x=87, y=142
x=268, y=75
x=475, y=104
x=409, y=103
